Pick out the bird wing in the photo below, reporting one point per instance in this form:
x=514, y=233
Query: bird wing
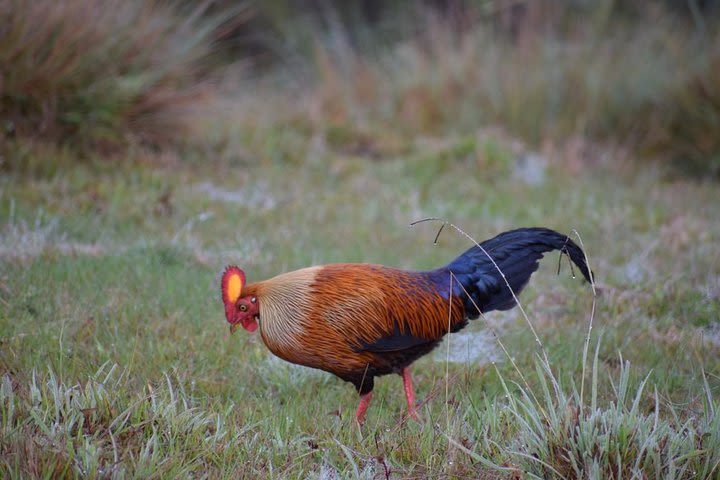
x=381, y=309
x=394, y=341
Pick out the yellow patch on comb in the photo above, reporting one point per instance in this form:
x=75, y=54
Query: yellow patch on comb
x=234, y=287
x=233, y=282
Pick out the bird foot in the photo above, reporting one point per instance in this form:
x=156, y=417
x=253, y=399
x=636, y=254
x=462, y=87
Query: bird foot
x=413, y=415
x=362, y=408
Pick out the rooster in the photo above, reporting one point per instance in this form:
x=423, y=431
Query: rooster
x=361, y=321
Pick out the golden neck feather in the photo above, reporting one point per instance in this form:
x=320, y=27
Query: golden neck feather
x=284, y=307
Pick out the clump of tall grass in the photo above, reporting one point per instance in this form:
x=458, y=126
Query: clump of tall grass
x=687, y=122
x=558, y=435
x=640, y=81
x=97, y=71
x=54, y=429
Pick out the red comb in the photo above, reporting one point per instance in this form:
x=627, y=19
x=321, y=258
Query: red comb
x=233, y=282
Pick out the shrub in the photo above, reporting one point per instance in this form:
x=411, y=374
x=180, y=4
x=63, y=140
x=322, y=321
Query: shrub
x=599, y=72
x=88, y=71
x=558, y=435
x=690, y=118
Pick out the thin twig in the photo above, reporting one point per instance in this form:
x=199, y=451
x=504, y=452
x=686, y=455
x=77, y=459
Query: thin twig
x=497, y=267
x=487, y=323
x=564, y=251
x=447, y=351
x=499, y=342
x=590, y=322
x=438, y=234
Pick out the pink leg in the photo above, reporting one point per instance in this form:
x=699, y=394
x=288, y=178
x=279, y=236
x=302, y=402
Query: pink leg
x=409, y=393
x=364, y=403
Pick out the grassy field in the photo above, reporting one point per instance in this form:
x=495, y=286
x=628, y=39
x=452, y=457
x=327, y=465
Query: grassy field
x=117, y=361
x=137, y=160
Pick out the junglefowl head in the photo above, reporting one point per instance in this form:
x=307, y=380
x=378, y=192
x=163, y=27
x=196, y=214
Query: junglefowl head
x=239, y=309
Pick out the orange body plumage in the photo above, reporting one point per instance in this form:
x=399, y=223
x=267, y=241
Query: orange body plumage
x=359, y=321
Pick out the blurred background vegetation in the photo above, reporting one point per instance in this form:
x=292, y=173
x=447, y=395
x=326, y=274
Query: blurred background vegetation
x=369, y=76
x=146, y=144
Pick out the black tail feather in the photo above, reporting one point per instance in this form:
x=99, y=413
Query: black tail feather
x=516, y=254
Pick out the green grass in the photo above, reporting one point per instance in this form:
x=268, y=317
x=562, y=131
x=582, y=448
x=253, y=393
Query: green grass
x=116, y=359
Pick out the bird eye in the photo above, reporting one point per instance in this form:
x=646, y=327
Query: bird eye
x=243, y=307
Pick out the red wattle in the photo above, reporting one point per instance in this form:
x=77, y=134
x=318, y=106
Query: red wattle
x=249, y=324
